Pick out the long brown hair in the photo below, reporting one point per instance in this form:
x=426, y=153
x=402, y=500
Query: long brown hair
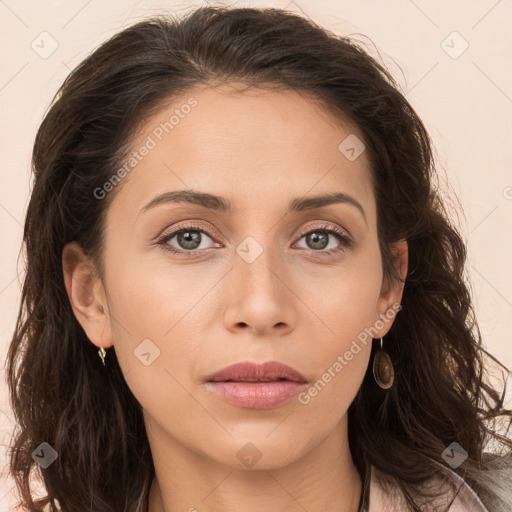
x=59, y=391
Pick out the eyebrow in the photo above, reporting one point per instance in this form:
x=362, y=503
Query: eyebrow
x=222, y=204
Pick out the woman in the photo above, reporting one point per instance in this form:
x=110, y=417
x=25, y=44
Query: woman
x=237, y=213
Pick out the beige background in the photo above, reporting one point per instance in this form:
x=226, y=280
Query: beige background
x=464, y=97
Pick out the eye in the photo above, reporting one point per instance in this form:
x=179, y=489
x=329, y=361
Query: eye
x=188, y=238
x=317, y=239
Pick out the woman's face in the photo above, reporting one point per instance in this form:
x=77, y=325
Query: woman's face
x=259, y=281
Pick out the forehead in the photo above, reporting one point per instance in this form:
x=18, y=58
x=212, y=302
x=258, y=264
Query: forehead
x=258, y=147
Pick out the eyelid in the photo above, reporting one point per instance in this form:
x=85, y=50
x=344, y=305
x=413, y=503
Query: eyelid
x=326, y=227
x=191, y=225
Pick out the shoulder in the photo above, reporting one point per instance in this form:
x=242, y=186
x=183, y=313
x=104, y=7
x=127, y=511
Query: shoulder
x=386, y=497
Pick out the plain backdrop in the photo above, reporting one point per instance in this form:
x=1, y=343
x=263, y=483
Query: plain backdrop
x=452, y=60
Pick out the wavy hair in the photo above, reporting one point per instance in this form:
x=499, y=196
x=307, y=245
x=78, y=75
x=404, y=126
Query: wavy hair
x=59, y=392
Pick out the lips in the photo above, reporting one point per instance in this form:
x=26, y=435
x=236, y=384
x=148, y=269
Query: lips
x=257, y=386
x=248, y=371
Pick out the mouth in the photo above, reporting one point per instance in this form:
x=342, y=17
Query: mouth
x=257, y=386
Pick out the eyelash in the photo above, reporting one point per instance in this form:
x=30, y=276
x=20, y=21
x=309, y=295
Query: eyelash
x=333, y=230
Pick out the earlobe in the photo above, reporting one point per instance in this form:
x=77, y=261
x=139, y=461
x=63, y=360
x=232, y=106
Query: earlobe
x=86, y=294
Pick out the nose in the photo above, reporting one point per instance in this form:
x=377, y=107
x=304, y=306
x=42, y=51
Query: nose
x=260, y=297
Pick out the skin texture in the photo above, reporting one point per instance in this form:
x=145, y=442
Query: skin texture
x=294, y=303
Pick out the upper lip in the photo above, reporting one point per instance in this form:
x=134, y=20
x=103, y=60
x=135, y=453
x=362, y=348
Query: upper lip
x=248, y=371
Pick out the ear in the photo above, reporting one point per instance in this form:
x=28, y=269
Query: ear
x=392, y=290
x=86, y=295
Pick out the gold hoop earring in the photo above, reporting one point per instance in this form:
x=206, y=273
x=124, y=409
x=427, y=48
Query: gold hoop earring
x=102, y=352
x=383, y=371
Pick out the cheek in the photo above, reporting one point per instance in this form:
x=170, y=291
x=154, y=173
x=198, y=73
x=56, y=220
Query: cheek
x=340, y=356
x=150, y=321
x=161, y=332
x=153, y=299
x=346, y=307
x=345, y=299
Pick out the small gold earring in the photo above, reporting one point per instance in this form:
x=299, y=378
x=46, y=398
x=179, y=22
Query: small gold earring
x=383, y=371
x=102, y=352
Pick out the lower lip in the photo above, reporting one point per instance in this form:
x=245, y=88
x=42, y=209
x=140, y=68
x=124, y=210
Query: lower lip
x=257, y=395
